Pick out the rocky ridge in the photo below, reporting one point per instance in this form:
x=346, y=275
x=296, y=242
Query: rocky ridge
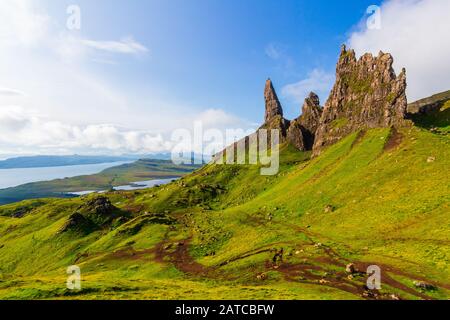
x=367, y=94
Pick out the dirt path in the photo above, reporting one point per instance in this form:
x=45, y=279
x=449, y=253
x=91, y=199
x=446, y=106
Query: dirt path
x=318, y=270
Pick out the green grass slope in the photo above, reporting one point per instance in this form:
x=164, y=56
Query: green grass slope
x=379, y=197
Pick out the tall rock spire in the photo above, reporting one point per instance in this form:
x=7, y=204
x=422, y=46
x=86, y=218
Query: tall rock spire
x=273, y=106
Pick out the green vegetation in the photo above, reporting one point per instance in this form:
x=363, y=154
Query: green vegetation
x=358, y=85
x=226, y=232
x=339, y=123
x=140, y=170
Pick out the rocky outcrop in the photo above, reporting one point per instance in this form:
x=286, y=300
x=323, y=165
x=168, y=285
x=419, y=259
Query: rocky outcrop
x=299, y=132
x=273, y=106
x=367, y=94
x=302, y=131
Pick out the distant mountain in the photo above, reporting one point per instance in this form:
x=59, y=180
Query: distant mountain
x=59, y=161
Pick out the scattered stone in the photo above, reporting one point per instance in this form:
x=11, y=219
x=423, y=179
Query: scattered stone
x=350, y=268
x=431, y=159
x=328, y=209
x=424, y=285
x=394, y=297
x=261, y=276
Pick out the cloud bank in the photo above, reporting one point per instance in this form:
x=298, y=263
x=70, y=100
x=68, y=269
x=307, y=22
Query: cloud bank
x=22, y=131
x=416, y=33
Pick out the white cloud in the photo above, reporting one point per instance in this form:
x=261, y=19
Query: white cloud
x=318, y=81
x=10, y=92
x=220, y=119
x=21, y=129
x=416, y=33
x=126, y=45
x=23, y=24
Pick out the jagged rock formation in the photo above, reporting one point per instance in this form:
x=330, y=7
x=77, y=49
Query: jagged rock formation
x=367, y=94
x=302, y=131
x=299, y=132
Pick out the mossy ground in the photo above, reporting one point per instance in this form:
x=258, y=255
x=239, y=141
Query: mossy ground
x=219, y=229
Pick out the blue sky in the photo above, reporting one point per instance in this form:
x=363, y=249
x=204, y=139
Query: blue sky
x=215, y=53
x=137, y=70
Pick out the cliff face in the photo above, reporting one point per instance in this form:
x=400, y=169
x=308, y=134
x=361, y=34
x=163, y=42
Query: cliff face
x=367, y=94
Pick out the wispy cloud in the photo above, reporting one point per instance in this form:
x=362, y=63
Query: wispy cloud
x=10, y=92
x=274, y=51
x=318, y=81
x=125, y=46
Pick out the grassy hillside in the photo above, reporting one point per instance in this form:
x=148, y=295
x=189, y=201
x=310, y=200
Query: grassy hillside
x=377, y=197
x=141, y=170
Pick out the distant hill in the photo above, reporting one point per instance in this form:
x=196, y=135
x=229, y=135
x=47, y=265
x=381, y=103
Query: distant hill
x=141, y=170
x=58, y=161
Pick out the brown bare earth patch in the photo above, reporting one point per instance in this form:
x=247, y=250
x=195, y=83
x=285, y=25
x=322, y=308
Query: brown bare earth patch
x=358, y=138
x=317, y=271
x=394, y=140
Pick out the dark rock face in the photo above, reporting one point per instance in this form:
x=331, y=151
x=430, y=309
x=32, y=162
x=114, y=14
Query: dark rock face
x=299, y=132
x=273, y=106
x=367, y=94
x=295, y=135
x=77, y=223
x=302, y=131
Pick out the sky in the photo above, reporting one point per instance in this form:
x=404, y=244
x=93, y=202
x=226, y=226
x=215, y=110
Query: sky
x=135, y=71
